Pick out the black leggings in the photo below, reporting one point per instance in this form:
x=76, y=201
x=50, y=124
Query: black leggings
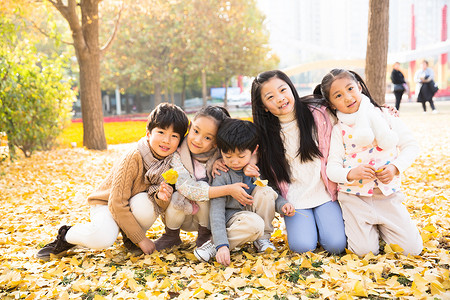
x=431, y=104
x=398, y=98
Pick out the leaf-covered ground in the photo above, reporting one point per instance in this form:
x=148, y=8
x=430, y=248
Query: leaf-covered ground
x=38, y=195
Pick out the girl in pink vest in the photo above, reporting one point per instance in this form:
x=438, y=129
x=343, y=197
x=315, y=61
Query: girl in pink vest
x=369, y=149
x=294, y=142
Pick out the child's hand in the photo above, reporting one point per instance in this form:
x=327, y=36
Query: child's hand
x=251, y=170
x=288, y=209
x=218, y=165
x=237, y=192
x=147, y=246
x=386, y=173
x=392, y=110
x=165, y=191
x=223, y=256
x=361, y=172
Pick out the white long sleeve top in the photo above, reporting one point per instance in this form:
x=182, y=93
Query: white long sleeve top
x=306, y=189
x=407, y=145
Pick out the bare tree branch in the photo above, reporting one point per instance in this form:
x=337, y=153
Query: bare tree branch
x=45, y=33
x=69, y=13
x=113, y=35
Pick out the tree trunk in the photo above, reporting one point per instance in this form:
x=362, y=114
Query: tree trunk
x=183, y=91
x=377, y=49
x=88, y=55
x=91, y=103
x=138, y=102
x=204, y=92
x=158, y=98
x=225, y=98
x=172, y=95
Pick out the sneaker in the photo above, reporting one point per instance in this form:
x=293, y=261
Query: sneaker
x=58, y=247
x=206, y=251
x=434, y=111
x=130, y=246
x=263, y=244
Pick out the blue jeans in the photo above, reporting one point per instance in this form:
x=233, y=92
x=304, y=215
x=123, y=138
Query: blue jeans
x=323, y=223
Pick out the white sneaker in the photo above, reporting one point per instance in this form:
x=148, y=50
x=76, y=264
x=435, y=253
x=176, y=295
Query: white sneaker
x=263, y=244
x=206, y=251
x=434, y=111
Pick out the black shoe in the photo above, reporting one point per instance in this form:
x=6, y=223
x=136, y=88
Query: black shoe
x=58, y=247
x=130, y=246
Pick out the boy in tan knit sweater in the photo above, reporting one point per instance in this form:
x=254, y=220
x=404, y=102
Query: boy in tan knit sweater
x=133, y=194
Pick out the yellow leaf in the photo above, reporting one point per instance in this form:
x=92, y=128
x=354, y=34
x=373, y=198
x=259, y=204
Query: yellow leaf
x=98, y=297
x=267, y=283
x=237, y=282
x=430, y=228
x=227, y=273
x=261, y=182
x=246, y=271
x=359, y=290
x=436, y=288
x=259, y=267
x=74, y=262
x=142, y=295
x=420, y=283
x=164, y=284
x=306, y=264
x=170, y=176
x=396, y=248
x=171, y=257
x=344, y=296
x=199, y=293
x=112, y=271
x=249, y=256
x=277, y=233
x=132, y=284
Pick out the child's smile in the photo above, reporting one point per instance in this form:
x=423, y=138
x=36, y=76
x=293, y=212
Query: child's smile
x=202, y=135
x=277, y=97
x=163, y=141
x=345, y=95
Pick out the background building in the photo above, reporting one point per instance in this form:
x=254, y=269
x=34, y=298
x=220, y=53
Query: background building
x=304, y=31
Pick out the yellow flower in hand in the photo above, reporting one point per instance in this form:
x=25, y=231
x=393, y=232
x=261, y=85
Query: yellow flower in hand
x=260, y=182
x=170, y=176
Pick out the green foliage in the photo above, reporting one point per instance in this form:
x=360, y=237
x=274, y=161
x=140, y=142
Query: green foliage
x=35, y=99
x=166, y=42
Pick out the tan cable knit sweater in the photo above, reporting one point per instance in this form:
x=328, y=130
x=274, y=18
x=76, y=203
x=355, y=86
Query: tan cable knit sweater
x=125, y=180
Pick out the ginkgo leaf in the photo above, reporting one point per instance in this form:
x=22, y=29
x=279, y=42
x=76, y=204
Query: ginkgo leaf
x=170, y=176
x=261, y=182
x=49, y=189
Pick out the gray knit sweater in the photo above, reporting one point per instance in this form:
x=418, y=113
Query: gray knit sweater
x=223, y=208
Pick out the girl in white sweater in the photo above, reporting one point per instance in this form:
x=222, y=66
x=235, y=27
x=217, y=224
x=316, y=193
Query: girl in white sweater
x=294, y=142
x=365, y=162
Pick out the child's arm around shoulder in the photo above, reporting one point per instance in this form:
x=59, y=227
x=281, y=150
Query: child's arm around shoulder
x=407, y=144
x=222, y=186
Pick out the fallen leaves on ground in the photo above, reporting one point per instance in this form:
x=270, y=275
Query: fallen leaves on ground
x=40, y=194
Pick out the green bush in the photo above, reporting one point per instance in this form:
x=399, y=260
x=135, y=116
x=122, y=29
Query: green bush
x=35, y=99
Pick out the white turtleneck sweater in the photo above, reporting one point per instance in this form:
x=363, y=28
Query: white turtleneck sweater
x=306, y=189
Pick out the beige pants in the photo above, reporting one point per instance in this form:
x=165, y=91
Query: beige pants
x=176, y=218
x=366, y=218
x=256, y=221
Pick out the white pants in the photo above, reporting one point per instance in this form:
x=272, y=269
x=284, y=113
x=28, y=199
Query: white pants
x=366, y=218
x=175, y=218
x=102, y=231
x=256, y=221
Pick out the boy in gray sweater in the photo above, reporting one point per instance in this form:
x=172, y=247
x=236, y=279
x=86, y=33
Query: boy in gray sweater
x=233, y=223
